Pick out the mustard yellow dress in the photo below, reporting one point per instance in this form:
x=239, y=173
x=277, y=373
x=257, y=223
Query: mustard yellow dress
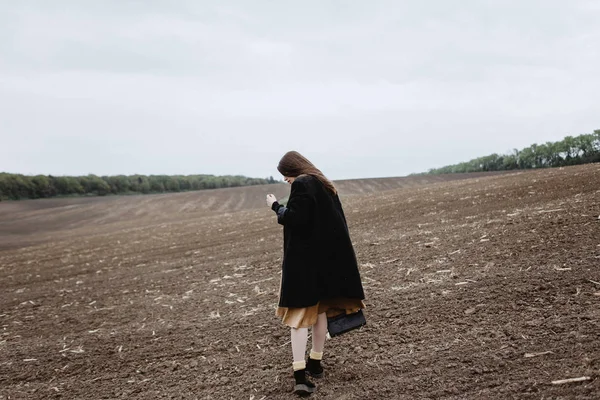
x=307, y=316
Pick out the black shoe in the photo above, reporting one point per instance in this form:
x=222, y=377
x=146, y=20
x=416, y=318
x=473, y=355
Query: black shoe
x=314, y=368
x=303, y=386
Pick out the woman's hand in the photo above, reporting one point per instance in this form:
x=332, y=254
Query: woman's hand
x=270, y=200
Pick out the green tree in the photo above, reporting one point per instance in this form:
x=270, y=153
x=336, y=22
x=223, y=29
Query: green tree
x=570, y=150
x=42, y=187
x=172, y=184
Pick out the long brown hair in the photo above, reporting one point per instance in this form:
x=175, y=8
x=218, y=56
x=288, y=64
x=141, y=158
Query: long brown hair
x=294, y=164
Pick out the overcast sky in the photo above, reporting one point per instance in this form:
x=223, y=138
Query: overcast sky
x=362, y=88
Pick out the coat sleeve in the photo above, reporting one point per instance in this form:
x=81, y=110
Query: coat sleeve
x=338, y=205
x=299, y=206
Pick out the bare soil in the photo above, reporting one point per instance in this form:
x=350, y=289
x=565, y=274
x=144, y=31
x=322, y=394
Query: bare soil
x=484, y=288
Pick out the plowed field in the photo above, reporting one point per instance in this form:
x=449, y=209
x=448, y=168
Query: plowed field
x=483, y=288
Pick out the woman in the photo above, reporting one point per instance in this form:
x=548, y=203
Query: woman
x=320, y=275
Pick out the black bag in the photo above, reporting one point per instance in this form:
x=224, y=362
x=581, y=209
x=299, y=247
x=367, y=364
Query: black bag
x=345, y=322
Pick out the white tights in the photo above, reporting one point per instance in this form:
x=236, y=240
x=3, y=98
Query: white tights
x=300, y=338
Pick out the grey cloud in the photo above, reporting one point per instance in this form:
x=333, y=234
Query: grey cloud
x=390, y=87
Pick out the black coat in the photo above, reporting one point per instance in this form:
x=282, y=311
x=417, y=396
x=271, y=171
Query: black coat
x=318, y=258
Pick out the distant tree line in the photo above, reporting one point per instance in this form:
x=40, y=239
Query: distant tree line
x=16, y=187
x=571, y=150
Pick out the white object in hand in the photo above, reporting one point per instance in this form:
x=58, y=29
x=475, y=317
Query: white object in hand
x=271, y=199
